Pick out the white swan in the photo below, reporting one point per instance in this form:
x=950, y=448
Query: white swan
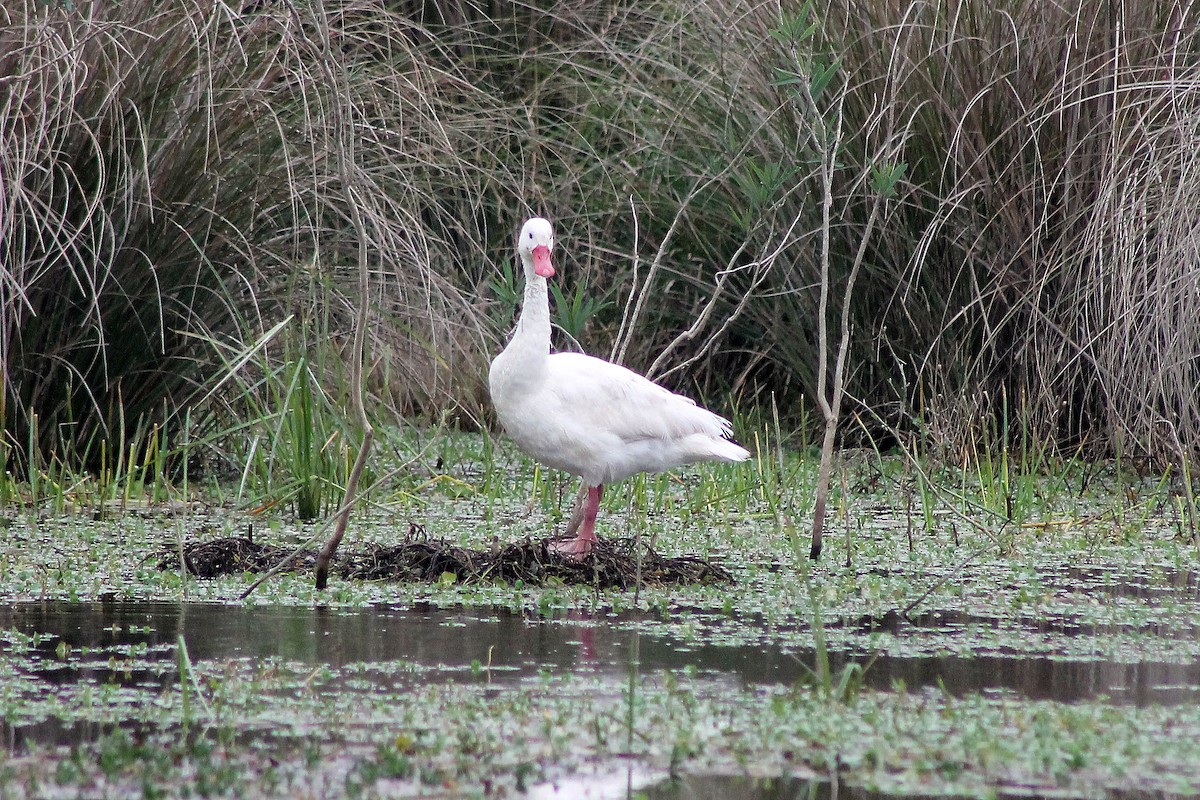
x=587, y=416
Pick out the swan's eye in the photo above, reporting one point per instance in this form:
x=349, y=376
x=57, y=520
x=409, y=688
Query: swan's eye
x=531, y=234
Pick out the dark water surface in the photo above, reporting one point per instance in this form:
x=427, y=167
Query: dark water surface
x=136, y=644
x=447, y=643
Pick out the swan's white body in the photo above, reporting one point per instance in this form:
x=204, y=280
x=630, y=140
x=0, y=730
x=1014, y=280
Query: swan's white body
x=586, y=416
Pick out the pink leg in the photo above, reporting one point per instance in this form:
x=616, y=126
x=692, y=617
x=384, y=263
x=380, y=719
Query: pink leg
x=585, y=540
x=577, y=511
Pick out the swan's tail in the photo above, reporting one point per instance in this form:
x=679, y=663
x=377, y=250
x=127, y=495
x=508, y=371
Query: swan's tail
x=712, y=448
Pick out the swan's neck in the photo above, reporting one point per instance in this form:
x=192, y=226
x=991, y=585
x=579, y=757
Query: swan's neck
x=522, y=365
x=533, y=327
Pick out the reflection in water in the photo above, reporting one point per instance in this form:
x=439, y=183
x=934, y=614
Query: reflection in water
x=500, y=645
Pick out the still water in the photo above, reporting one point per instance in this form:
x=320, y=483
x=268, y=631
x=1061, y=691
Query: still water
x=64, y=643
x=514, y=646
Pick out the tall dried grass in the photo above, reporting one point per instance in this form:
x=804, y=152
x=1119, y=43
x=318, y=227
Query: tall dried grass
x=1046, y=267
x=1037, y=260
x=167, y=191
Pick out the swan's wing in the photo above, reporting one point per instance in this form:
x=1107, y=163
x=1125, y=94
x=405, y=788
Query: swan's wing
x=607, y=397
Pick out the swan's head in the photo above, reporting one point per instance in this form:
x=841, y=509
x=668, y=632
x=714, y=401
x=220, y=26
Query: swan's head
x=535, y=244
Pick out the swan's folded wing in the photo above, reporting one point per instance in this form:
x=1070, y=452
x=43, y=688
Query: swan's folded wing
x=607, y=397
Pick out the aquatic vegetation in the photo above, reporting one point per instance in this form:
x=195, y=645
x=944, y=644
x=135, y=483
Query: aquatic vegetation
x=965, y=655
x=394, y=726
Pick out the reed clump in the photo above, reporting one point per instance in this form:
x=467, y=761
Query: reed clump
x=171, y=209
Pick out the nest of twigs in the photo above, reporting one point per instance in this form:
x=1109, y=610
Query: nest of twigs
x=614, y=563
x=234, y=555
